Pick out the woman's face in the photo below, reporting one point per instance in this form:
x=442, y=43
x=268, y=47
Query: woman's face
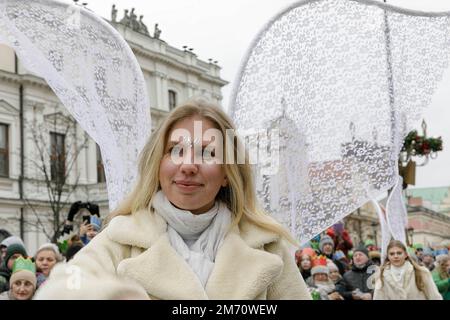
x=397, y=256
x=22, y=290
x=305, y=262
x=320, y=277
x=45, y=261
x=334, y=274
x=188, y=183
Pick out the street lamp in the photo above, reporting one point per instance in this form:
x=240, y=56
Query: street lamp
x=410, y=231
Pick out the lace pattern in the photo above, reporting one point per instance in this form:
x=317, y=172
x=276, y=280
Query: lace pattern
x=345, y=81
x=93, y=72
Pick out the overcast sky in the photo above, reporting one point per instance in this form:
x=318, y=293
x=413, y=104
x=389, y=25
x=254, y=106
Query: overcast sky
x=223, y=30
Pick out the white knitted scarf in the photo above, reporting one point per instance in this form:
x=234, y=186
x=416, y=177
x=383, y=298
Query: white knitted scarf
x=196, y=238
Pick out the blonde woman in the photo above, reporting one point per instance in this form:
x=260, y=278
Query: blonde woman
x=401, y=278
x=189, y=229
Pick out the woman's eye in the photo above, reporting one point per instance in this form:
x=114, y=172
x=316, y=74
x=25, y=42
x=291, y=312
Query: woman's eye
x=176, y=150
x=209, y=153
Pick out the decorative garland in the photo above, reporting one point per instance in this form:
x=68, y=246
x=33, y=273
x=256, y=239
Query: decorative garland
x=420, y=145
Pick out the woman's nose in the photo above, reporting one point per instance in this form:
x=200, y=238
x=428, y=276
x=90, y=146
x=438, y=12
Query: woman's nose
x=189, y=168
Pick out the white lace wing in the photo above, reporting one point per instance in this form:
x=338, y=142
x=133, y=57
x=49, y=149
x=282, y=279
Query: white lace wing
x=93, y=72
x=343, y=81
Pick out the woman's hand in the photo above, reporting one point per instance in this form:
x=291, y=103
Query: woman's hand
x=335, y=296
x=84, y=228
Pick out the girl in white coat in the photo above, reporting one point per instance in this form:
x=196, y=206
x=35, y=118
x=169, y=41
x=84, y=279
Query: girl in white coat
x=401, y=278
x=190, y=229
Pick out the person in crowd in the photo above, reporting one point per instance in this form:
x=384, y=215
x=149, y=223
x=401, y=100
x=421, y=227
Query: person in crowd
x=74, y=245
x=191, y=228
x=46, y=257
x=401, y=278
x=375, y=257
x=326, y=247
x=13, y=252
x=418, y=251
x=441, y=277
x=341, y=257
x=341, y=238
x=89, y=230
x=22, y=281
x=355, y=283
x=334, y=274
x=428, y=259
x=320, y=282
x=304, y=259
x=314, y=243
x=6, y=243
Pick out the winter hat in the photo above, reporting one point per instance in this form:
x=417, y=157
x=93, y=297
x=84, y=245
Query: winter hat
x=12, y=240
x=13, y=249
x=332, y=266
x=325, y=240
x=374, y=255
x=427, y=252
x=24, y=269
x=319, y=265
x=362, y=249
x=50, y=246
x=96, y=223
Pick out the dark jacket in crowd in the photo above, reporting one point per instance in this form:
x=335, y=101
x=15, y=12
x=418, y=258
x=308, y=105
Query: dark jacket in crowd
x=306, y=274
x=355, y=279
x=5, y=274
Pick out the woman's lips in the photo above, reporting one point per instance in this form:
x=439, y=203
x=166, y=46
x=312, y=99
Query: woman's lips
x=187, y=185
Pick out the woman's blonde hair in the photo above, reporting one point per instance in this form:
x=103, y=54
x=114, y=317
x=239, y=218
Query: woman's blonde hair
x=441, y=267
x=418, y=273
x=239, y=195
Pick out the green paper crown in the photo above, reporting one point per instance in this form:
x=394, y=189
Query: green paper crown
x=63, y=241
x=23, y=264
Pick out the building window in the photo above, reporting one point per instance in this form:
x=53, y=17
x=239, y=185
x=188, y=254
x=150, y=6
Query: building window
x=57, y=156
x=172, y=99
x=4, y=150
x=100, y=169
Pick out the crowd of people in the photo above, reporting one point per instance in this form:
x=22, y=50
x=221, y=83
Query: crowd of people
x=21, y=274
x=334, y=269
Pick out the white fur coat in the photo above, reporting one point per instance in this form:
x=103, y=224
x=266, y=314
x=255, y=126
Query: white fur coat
x=408, y=290
x=133, y=258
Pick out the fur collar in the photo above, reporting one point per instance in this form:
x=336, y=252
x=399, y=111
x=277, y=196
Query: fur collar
x=241, y=270
x=147, y=227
